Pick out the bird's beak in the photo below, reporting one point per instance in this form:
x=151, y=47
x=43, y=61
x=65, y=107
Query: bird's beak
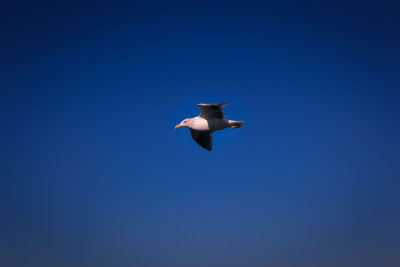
x=177, y=126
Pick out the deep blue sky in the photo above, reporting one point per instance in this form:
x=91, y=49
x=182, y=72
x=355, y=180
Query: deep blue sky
x=94, y=174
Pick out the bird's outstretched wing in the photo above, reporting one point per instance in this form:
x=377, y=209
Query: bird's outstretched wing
x=203, y=138
x=212, y=111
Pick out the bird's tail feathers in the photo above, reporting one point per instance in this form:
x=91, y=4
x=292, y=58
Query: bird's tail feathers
x=235, y=124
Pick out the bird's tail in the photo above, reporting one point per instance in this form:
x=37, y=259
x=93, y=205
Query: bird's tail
x=235, y=124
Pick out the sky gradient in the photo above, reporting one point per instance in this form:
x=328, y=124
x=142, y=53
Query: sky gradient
x=94, y=174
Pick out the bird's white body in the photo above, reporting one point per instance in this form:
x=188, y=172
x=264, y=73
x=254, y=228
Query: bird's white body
x=199, y=124
x=211, y=125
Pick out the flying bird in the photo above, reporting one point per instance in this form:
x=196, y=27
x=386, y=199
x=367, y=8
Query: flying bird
x=211, y=119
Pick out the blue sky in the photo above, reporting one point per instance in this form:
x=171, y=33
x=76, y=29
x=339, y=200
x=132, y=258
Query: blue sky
x=94, y=174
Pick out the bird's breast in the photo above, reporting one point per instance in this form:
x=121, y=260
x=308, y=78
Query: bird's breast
x=200, y=124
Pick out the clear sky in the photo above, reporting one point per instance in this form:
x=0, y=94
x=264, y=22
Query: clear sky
x=94, y=174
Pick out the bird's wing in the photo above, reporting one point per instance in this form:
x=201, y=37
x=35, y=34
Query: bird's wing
x=212, y=111
x=203, y=138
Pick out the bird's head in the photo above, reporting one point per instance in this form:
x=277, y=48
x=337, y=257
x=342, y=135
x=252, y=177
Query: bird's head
x=184, y=123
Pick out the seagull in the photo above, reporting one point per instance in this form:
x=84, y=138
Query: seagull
x=211, y=119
